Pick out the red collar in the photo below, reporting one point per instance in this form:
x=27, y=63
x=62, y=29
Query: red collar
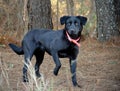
x=75, y=41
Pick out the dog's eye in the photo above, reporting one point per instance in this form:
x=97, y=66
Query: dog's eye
x=76, y=23
x=69, y=23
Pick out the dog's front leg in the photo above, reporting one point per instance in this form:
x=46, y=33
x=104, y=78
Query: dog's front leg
x=73, y=65
x=57, y=62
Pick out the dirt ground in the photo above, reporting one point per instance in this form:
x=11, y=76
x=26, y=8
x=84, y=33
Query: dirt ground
x=98, y=69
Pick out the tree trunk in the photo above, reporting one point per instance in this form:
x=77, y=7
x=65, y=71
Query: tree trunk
x=57, y=17
x=25, y=17
x=117, y=11
x=70, y=7
x=106, y=19
x=39, y=13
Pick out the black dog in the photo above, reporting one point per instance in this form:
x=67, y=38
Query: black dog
x=61, y=43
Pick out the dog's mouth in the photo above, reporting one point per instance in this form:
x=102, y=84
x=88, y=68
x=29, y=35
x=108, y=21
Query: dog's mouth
x=73, y=36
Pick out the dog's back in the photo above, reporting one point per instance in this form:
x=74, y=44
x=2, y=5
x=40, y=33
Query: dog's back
x=31, y=35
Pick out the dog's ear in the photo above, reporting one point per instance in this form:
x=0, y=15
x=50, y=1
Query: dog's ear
x=82, y=19
x=63, y=19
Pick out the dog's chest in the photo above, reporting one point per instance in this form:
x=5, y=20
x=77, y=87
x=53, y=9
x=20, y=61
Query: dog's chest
x=66, y=52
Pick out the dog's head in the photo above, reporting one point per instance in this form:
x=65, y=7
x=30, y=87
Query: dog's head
x=73, y=25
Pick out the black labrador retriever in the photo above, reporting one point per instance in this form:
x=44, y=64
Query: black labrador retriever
x=59, y=44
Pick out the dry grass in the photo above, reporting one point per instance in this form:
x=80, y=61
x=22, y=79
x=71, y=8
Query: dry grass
x=34, y=84
x=4, y=78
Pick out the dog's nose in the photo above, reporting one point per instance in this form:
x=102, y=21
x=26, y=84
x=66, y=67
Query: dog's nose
x=72, y=31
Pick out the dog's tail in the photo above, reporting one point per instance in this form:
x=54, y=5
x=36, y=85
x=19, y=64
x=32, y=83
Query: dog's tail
x=16, y=49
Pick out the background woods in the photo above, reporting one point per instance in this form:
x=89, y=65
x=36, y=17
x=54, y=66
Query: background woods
x=98, y=62
x=18, y=16
x=11, y=19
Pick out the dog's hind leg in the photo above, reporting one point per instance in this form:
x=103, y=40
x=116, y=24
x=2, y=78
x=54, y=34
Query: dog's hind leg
x=28, y=54
x=39, y=54
x=25, y=68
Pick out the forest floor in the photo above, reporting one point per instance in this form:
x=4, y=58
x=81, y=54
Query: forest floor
x=98, y=69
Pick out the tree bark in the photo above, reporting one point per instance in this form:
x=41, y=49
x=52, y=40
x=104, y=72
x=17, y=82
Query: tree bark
x=25, y=17
x=70, y=7
x=117, y=11
x=39, y=13
x=57, y=17
x=106, y=19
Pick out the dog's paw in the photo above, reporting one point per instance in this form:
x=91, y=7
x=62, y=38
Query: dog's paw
x=76, y=84
x=25, y=79
x=55, y=73
x=56, y=70
x=38, y=75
